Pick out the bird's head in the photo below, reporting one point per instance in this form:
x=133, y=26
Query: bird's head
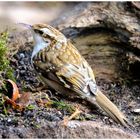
x=44, y=35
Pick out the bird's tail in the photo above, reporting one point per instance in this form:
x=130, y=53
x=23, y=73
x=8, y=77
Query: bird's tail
x=111, y=109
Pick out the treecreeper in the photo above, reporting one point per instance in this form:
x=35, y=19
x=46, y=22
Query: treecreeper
x=61, y=66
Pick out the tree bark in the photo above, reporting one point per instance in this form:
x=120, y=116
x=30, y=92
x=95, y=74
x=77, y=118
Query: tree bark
x=108, y=35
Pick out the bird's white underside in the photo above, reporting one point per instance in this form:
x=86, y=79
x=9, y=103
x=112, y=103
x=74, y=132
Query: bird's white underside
x=40, y=44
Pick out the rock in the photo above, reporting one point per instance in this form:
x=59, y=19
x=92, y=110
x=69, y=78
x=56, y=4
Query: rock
x=137, y=111
x=86, y=129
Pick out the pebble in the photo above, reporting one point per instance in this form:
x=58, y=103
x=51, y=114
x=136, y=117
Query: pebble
x=21, y=55
x=21, y=62
x=9, y=120
x=73, y=124
x=136, y=111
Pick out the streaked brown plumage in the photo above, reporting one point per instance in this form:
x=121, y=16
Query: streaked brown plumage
x=61, y=66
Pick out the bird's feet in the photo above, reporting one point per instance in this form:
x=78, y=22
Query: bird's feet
x=73, y=115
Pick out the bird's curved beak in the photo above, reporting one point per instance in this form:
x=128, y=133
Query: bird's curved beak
x=28, y=26
x=25, y=25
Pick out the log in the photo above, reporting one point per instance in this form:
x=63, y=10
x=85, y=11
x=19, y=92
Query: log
x=107, y=34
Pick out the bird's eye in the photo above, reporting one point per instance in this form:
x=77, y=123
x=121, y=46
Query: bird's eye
x=38, y=31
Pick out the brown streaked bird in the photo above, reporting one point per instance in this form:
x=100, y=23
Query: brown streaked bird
x=62, y=67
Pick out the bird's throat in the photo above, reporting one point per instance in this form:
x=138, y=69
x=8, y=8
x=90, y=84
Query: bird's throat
x=40, y=44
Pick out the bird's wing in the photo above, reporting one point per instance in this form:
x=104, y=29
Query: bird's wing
x=78, y=78
x=73, y=72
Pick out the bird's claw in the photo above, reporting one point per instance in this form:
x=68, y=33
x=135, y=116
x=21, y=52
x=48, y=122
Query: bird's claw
x=73, y=115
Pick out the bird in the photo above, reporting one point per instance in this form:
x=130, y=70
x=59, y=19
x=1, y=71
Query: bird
x=61, y=66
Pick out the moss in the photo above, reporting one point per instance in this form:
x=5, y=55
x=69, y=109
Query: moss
x=6, y=72
x=30, y=107
x=3, y=109
x=63, y=106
